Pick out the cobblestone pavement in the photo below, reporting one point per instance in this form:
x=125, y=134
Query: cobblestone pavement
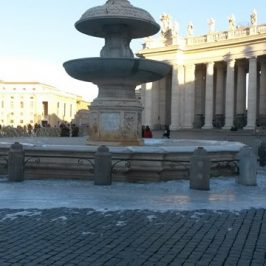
x=87, y=237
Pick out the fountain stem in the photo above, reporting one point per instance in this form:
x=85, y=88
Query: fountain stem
x=117, y=40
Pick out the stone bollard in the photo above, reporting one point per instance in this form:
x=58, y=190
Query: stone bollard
x=103, y=165
x=262, y=153
x=200, y=170
x=247, y=167
x=16, y=156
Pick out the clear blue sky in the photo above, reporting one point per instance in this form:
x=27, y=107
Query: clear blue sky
x=43, y=31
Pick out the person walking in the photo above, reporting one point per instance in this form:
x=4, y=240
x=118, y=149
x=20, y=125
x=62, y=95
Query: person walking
x=147, y=132
x=166, y=133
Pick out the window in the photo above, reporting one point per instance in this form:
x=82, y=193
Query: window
x=11, y=121
x=21, y=121
x=12, y=105
x=2, y=104
x=21, y=104
x=31, y=104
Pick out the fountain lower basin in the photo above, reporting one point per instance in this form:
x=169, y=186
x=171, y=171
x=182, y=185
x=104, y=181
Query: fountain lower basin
x=156, y=160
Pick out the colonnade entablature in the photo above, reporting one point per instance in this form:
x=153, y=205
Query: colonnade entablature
x=221, y=84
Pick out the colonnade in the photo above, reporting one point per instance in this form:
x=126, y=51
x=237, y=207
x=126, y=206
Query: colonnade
x=222, y=94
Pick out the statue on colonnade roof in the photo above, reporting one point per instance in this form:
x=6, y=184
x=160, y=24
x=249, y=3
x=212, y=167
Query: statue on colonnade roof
x=232, y=22
x=253, y=18
x=211, y=24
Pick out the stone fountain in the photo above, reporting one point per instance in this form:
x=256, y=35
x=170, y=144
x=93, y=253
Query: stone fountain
x=115, y=115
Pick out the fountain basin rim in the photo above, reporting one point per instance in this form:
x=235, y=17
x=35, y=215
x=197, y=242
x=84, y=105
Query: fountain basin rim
x=151, y=146
x=137, y=28
x=100, y=70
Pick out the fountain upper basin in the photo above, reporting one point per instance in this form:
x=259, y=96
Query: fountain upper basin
x=134, y=70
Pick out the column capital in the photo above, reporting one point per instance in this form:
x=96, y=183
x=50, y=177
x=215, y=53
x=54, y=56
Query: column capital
x=190, y=66
x=210, y=68
x=252, y=58
x=210, y=63
x=231, y=62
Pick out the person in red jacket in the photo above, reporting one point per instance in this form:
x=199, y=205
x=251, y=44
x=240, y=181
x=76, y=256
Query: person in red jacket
x=147, y=132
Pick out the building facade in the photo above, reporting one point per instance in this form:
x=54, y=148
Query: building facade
x=23, y=103
x=218, y=80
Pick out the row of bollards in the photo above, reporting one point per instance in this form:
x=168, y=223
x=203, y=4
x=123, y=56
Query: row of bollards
x=103, y=164
x=16, y=157
x=199, y=166
x=199, y=174
x=103, y=167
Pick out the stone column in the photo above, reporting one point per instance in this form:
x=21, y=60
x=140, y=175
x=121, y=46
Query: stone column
x=155, y=124
x=252, y=94
x=147, y=114
x=262, y=98
x=189, y=96
x=209, y=96
x=229, y=94
x=177, y=88
x=162, y=102
x=151, y=104
x=200, y=84
x=219, y=97
x=241, y=88
x=241, y=94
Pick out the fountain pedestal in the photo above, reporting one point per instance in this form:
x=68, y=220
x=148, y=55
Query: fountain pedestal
x=115, y=121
